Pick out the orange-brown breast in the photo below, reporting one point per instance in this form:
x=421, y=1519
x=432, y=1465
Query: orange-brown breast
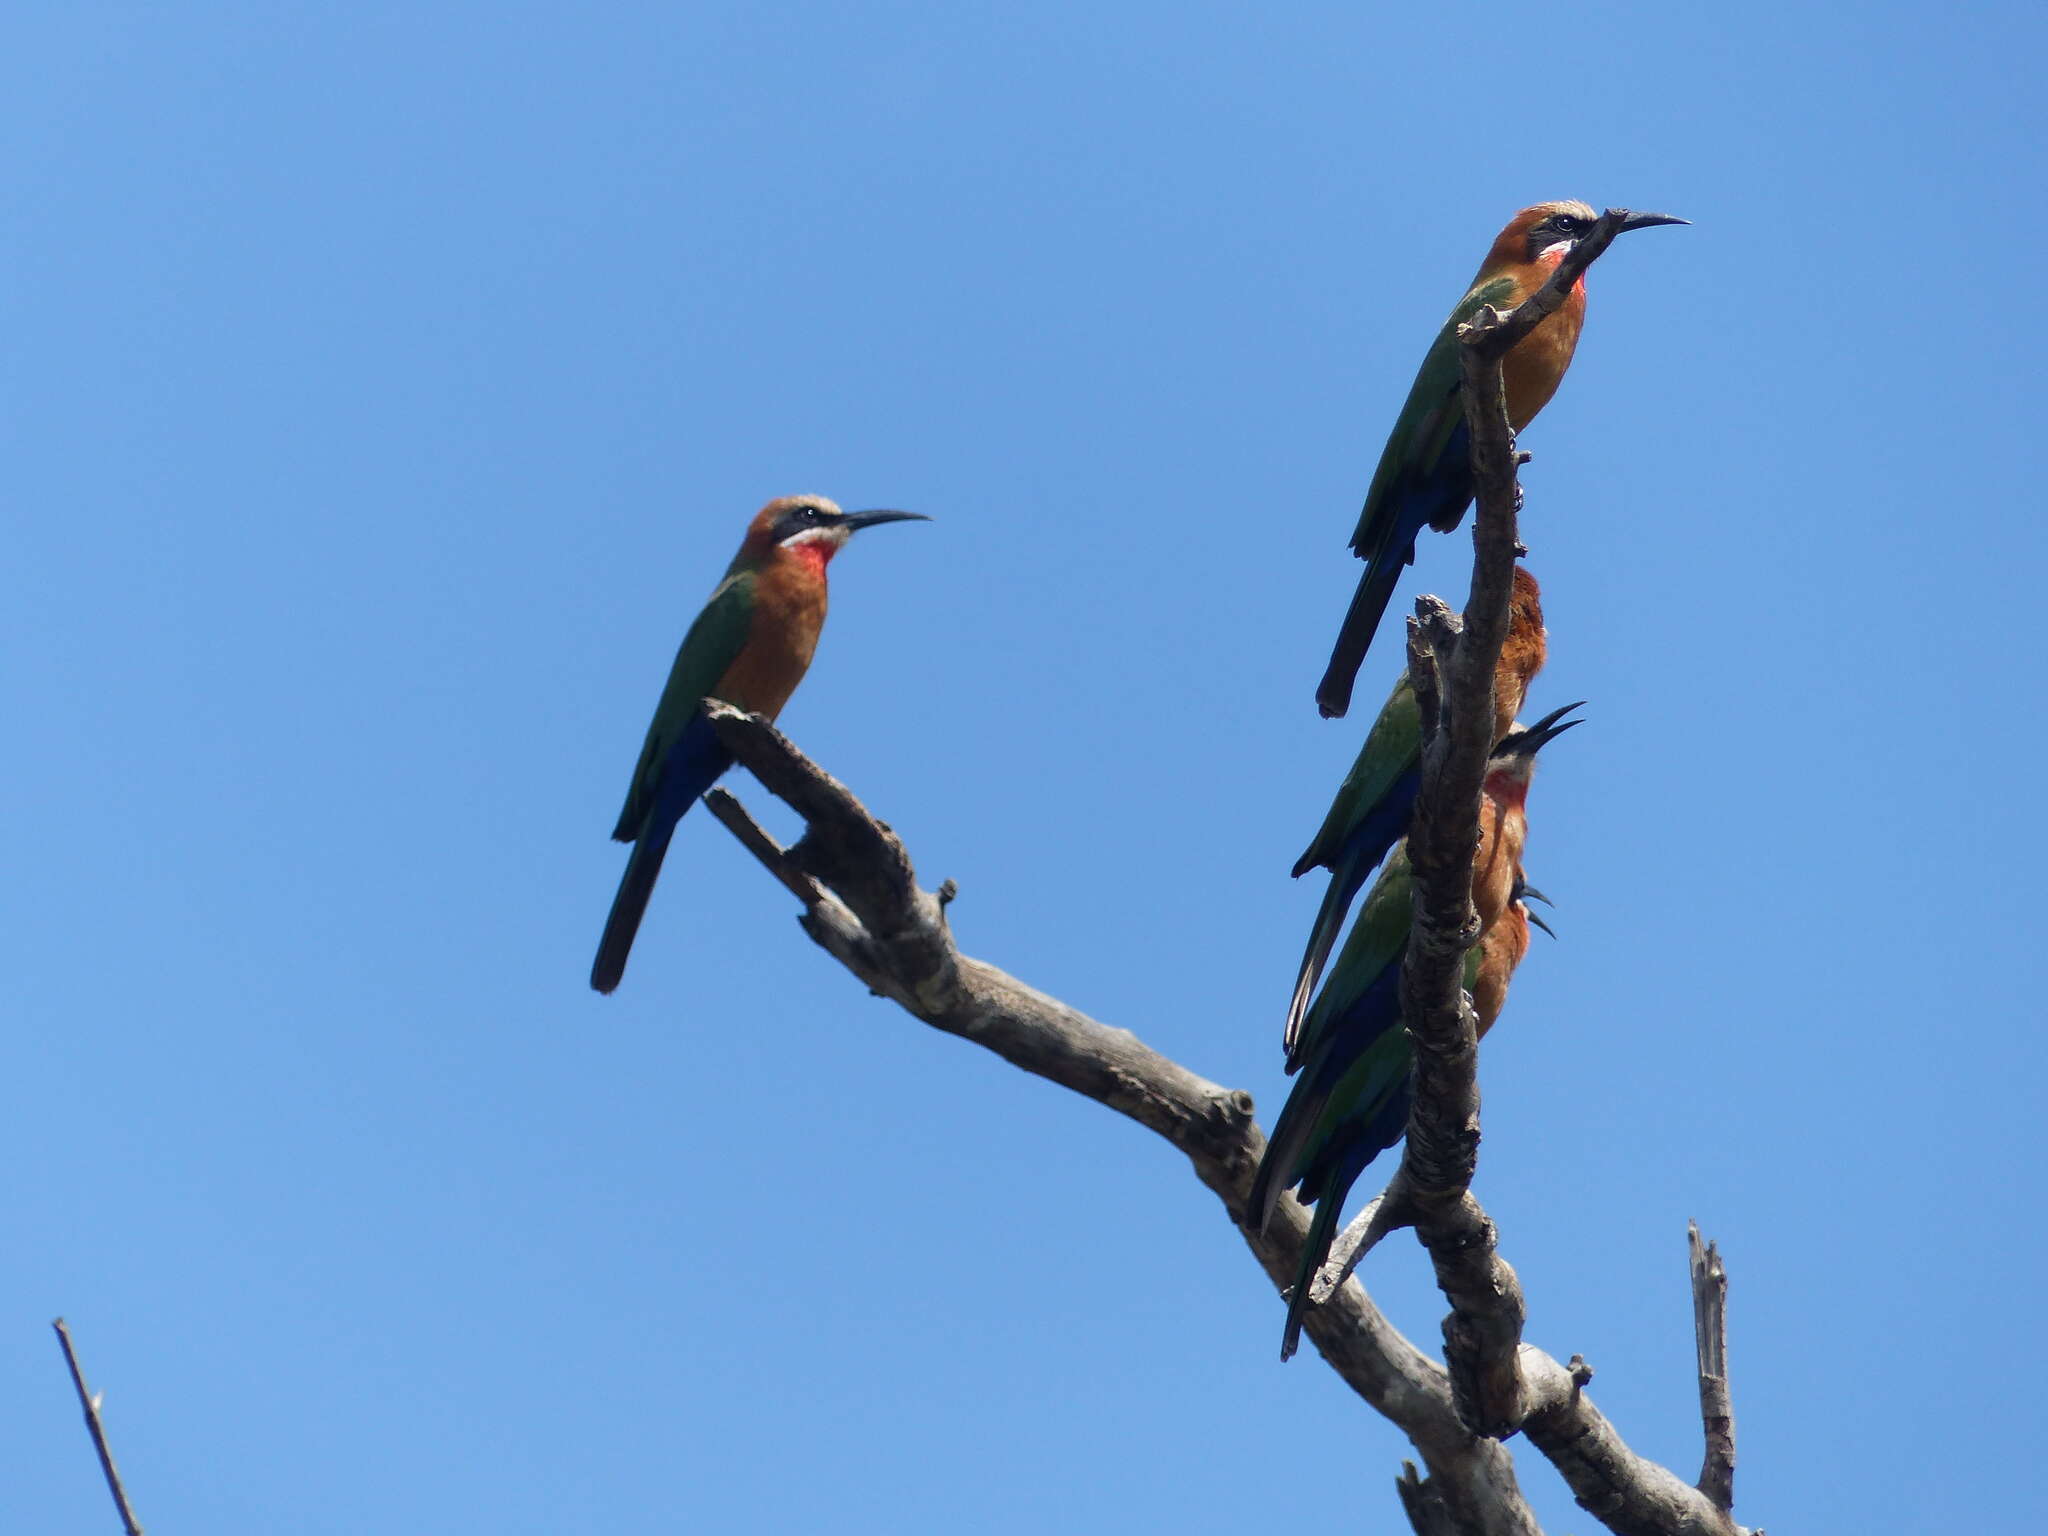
x=1502, y=828
x=1499, y=953
x=1521, y=657
x=1533, y=370
x=1535, y=367
x=789, y=613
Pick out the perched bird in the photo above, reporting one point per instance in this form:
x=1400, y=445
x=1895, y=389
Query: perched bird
x=1372, y=806
x=750, y=647
x=1425, y=471
x=1351, y=1101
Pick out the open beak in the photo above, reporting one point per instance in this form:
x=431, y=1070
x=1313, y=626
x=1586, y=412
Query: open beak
x=1631, y=221
x=855, y=521
x=1526, y=893
x=1532, y=739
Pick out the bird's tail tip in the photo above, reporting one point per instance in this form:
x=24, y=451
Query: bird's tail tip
x=607, y=972
x=1354, y=637
x=1297, y=1007
x=1333, y=693
x=1297, y=1310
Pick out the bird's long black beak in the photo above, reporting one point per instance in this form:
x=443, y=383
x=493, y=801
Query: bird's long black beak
x=1536, y=922
x=1645, y=220
x=855, y=521
x=1530, y=740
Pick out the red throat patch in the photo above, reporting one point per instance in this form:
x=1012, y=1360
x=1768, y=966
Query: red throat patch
x=815, y=553
x=1506, y=788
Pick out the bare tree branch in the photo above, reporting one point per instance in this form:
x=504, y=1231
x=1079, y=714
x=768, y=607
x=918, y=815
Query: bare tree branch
x=1423, y=1503
x=91, y=1405
x=1627, y=1493
x=1432, y=1187
x=1710, y=1336
x=1375, y=1220
x=1499, y=1383
x=893, y=936
x=1452, y=666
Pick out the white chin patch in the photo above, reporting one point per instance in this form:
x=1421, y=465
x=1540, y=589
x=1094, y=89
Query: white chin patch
x=1556, y=250
x=832, y=536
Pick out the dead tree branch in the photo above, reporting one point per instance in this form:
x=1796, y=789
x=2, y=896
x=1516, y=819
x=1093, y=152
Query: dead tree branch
x=862, y=904
x=97, y=1430
x=1710, y=1336
x=1452, y=664
x=1627, y=1493
x=1432, y=1188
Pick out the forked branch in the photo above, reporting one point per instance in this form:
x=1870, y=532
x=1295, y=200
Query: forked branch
x=863, y=905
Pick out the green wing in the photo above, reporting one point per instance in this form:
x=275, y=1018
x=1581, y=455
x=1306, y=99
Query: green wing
x=1392, y=747
x=714, y=642
x=1378, y=938
x=1366, y=1086
x=1429, y=415
x=1371, y=1077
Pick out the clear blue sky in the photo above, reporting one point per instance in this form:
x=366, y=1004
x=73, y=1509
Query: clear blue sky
x=386, y=387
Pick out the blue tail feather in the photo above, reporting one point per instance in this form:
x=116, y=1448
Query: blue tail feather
x=1388, y=1123
x=694, y=765
x=1322, y=1231
x=1436, y=498
x=1364, y=848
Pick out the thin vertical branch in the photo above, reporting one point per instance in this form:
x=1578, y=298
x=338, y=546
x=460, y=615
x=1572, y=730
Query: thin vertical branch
x=1422, y=1501
x=1452, y=662
x=91, y=1405
x=1710, y=1334
x=1433, y=1185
